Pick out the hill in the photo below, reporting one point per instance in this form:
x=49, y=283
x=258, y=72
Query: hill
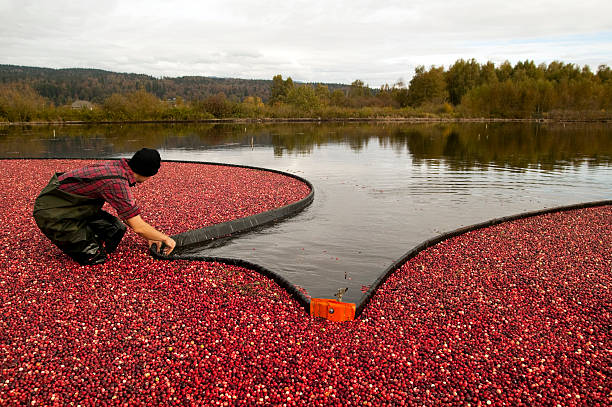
x=63, y=86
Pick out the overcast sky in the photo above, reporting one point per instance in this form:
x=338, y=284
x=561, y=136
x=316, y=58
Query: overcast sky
x=312, y=41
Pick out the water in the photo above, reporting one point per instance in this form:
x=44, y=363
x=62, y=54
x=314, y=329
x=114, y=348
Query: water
x=379, y=189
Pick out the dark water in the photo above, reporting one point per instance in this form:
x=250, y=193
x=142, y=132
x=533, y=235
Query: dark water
x=380, y=189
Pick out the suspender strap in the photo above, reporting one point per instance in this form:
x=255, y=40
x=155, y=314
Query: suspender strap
x=71, y=180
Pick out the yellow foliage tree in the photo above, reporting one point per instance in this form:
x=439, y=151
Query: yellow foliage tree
x=20, y=103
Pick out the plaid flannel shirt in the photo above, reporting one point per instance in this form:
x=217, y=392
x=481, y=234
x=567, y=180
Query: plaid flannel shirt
x=115, y=191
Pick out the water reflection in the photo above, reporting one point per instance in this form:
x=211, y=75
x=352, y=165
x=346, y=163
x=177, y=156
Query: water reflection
x=472, y=145
x=380, y=189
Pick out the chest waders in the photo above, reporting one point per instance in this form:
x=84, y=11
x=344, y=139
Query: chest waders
x=76, y=224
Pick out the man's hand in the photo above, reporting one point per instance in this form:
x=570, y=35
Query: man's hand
x=170, y=245
x=152, y=235
x=157, y=244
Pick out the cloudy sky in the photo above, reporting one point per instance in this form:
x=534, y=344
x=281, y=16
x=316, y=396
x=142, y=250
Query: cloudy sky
x=376, y=41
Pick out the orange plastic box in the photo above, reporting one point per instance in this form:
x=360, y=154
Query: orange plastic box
x=331, y=309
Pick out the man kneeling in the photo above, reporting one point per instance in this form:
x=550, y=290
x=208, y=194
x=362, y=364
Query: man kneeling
x=69, y=209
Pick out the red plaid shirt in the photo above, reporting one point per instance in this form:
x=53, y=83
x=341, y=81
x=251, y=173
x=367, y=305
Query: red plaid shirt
x=115, y=191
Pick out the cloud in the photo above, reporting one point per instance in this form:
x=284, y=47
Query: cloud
x=332, y=41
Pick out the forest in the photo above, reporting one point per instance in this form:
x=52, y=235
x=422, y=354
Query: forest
x=466, y=89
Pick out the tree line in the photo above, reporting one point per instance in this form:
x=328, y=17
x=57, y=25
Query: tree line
x=466, y=89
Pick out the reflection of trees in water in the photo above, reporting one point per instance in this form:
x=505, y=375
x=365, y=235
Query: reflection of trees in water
x=457, y=145
x=515, y=145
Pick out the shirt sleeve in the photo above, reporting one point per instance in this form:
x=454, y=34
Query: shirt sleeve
x=118, y=194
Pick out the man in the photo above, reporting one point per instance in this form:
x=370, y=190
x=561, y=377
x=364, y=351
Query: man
x=69, y=209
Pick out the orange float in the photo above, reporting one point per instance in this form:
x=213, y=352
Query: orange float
x=332, y=310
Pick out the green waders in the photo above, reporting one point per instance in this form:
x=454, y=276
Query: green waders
x=77, y=224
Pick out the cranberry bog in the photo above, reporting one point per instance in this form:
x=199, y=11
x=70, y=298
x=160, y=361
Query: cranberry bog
x=514, y=313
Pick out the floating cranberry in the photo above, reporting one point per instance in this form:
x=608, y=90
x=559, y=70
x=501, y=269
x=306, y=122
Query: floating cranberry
x=513, y=314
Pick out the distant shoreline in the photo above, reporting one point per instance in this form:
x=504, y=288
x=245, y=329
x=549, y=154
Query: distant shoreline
x=414, y=120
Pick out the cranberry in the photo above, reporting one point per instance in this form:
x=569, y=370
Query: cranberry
x=511, y=314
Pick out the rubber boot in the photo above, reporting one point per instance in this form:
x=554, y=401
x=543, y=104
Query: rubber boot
x=99, y=258
x=109, y=229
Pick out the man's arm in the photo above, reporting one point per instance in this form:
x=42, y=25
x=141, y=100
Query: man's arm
x=143, y=229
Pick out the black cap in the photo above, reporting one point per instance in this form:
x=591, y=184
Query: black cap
x=145, y=162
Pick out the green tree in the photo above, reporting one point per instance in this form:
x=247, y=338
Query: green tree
x=488, y=73
x=280, y=89
x=303, y=97
x=524, y=70
x=504, y=72
x=461, y=77
x=510, y=98
x=427, y=86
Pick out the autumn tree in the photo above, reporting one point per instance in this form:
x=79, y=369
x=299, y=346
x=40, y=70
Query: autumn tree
x=253, y=101
x=322, y=92
x=399, y=92
x=604, y=74
x=385, y=96
x=218, y=105
x=20, y=103
x=138, y=105
x=358, y=90
x=338, y=98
